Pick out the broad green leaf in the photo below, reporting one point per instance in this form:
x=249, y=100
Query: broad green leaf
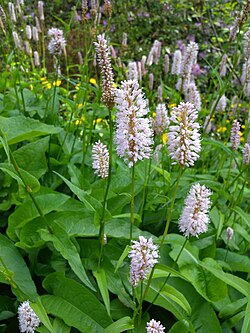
x=20, y=128
x=208, y=285
x=32, y=182
x=66, y=247
x=122, y=257
x=244, y=216
x=42, y=315
x=75, y=304
x=180, y=327
x=60, y=327
x=163, y=172
x=4, y=143
x=14, y=270
x=236, y=261
x=246, y=322
x=232, y=308
x=242, y=231
x=163, y=300
x=102, y=284
x=27, y=211
x=136, y=216
x=7, y=308
x=121, y=325
x=25, y=157
x=234, y=281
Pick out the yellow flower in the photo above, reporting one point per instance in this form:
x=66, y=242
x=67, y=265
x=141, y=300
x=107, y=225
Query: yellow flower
x=78, y=122
x=227, y=121
x=240, y=133
x=98, y=120
x=154, y=114
x=79, y=105
x=221, y=129
x=31, y=87
x=114, y=85
x=48, y=86
x=92, y=80
x=239, y=104
x=57, y=83
x=172, y=105
x=43, y=78
x=77, y=86
x=164, y=138
x=243, y=126
x=44, y=82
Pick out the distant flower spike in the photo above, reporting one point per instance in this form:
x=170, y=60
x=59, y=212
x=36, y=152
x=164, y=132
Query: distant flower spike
x=229, y=233
x=235, y=135
x=194, y=219
x=57, y=42
x=103, y=58
x=154, y=326
x=161, y=119
x=144, y=255
x=133, y=136
x=183, y=137
x=100, y=158
x=246, y=154
x=28, y=320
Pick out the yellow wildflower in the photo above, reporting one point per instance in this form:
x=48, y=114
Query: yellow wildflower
x=92, y=80
x=57, y=83
x=114, y=85
x=79, y=105
x=164, y=138
x=77, y=86
x=221, y=129
x=154, y=114
x=172, y=105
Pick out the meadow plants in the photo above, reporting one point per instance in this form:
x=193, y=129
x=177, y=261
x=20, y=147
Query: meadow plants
x=124, y=167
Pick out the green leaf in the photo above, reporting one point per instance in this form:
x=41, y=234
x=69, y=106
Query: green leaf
x=60, y=327
x=163, y=172
x=15, y=271
x=180, y=327
x=25, y=157
x=31, y=181
x=91, y=203
x=209, y=286
x=75, y=304
x=120, y=325
x=236, y=261
x=246, y=322
x=27, y=211
x=102, y=284
x=66, y=247
x=42, y=315
x=244, y=216
x=7, y=308
x=163, y=300
x=234, y=281
x=122, y=257
x=20, y=128
x=231, y=309
x=136, y=216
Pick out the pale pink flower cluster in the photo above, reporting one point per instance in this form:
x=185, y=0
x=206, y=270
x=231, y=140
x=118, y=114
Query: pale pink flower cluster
x=195, y=219
x=229, y=233
x=176, y=65
x=144, y=255
x=161, y=121
x=133, y=135
x=28, y=320
x=193, y=96
x=184, y=141
x=103, y=58
x=221, y=105
x=235, y=135
x=100, y=159
x=154, y=326
x=57, y=41
x=246, y=154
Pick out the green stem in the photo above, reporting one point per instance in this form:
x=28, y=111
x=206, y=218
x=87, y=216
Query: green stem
x=27, y=187
x=132, y=207
x=171, y=207
x=102, y=220
x=166, y=280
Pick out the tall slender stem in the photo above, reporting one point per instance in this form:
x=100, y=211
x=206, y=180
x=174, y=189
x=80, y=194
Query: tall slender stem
x=102, y=219
x=132, y=207
x=171, y=207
